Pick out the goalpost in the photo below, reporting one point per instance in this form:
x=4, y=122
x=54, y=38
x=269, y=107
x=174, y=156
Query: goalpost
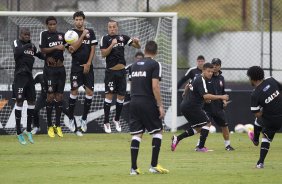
x=161, y=27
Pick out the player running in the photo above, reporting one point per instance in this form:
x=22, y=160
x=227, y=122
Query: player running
x=192, y=109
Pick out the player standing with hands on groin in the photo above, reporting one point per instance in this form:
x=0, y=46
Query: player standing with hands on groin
x=112, y=47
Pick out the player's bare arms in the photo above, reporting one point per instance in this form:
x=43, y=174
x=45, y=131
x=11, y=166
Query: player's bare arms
x=118, y=67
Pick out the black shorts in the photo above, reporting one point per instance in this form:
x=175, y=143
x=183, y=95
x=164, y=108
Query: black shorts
x=196, y=117
x=54, y=79
x=80, y=79
x=23, y=88
x=270, y=126
x=144, y=114
x=218, y=118
x=115, y=81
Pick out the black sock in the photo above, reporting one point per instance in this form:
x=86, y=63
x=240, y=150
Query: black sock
x=30, y=116
x=189, y=132
x=203, y=136
x=58, y=108
x=134, y=149
x=263, y=151
x=257, y=131
x=118, y=110
x=71, y=107
x=36, y=118
x=156, y=145
x=107, y=108
x=49, y=109
x=87, y=104
x=18, y=115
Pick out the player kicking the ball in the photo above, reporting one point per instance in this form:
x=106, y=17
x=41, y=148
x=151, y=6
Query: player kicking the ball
x=266, y=103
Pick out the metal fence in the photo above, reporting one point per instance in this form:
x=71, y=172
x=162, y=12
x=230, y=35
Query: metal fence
x=241, y=33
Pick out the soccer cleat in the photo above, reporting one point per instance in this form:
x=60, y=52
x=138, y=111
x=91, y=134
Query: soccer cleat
x=58, y=131
x=158, y=170
x=83, y=124
x=117, y=124
x=174, y=142
x=71, y=125
x=21, y=139
x=135, y=171
x=35, y=130
x=203, y=149
x=260, y=166
x=107, y=128
x=29, y=137
x=79, y=133
x=51, y=132
x=251, y=137
x=229, y=148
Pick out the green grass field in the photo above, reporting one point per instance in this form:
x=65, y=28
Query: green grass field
x=105, y=158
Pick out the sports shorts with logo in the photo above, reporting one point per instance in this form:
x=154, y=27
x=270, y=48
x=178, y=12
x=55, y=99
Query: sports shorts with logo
x=115, y=81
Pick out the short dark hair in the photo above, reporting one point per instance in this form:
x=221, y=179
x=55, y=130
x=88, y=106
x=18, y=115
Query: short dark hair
x=200, y=57
x=139, y=54
x=207, y=65
x=113, y=21
x=24, y=30
x=255, y=73
x=151, y=47
x=216, y=61
x=50, y=18
x=78, y=14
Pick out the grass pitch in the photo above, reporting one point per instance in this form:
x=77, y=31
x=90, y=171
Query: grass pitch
x=105, y=158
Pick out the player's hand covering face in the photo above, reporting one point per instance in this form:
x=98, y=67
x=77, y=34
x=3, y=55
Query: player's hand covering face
x=112, y=28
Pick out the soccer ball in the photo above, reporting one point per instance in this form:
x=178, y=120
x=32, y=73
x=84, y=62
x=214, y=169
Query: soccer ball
x=71, y=36
x=212, y=129
x=249, y=127
x=239, y=128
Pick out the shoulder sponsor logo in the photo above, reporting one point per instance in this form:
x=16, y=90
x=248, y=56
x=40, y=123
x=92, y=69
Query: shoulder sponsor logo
x=266, y=88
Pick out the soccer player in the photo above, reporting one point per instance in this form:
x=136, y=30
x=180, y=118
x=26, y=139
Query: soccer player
x=112, y=47
x=138, y=56
x=52, y=45
x=192, y=72
x=215, y=109
x=266, y=103
x=82, y=74
x=146, y=107
x=192, y=109
x=41, y=102
x=24, y=89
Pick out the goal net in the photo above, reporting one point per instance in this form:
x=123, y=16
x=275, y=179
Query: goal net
x=160, y=27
